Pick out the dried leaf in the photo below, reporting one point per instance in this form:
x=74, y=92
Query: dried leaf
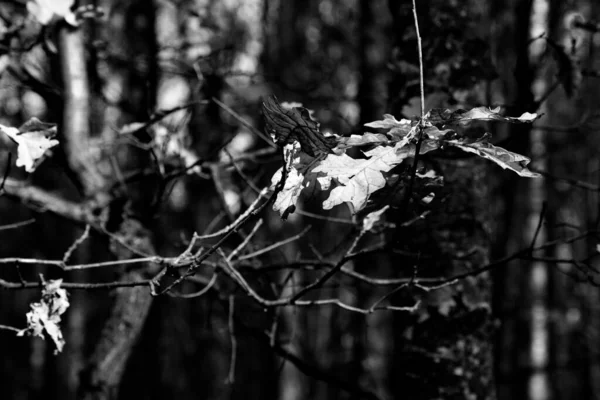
x=299, y=177
x=396, y=129
x=388, y=122
x=45, y=315
x=288, y=125
x=433, y=132
x=504, y=158
x=34, y=139
x=439, y=116
x=358, y=179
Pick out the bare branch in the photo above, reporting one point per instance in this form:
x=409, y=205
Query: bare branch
x=244, y=122
x=76, y=243
x=9, y=328
x=246, y=240
x=274, y=245
x=17, y=225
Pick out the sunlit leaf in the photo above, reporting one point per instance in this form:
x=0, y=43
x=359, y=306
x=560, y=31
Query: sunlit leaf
x=504, y=158
x=388, y=122
x=433, y=132
x=464, y=117
x=299, y=177
x=45, y=316
x=34, y=138
x=44, y=11
x=357, y=179
x=373, y=219
x=361, y=140
x=133, y=127
x=396, y=129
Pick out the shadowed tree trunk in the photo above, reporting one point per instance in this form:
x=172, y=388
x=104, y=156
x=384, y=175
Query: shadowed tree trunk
x=96, y=168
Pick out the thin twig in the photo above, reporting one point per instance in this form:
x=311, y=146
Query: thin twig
x=9, y=328
x=275, y=245
x=419, y=127
x=574, y=182
x=420, y=48
x=324, y=217
x=247, y=124
x=197, y=261
x=538, y=229
x=241, y=173
x=231, y=324
x=235, y=223
x=76, y=243
x=4, y=284
x=329, y=274
x=199, y=293
x=246, y=240
x=6, y=172
x=17, y=224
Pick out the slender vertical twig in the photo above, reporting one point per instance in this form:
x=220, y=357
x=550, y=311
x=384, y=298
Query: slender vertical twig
x=6, y=172
x=419, y=127
x=232, y=362
x=420, y=48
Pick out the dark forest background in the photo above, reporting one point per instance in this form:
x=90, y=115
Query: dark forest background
x=527, y=326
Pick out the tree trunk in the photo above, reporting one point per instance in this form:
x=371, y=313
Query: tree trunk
x=105, y=369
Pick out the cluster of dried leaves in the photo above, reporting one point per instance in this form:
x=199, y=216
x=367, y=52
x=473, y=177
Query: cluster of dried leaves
x=315, y=162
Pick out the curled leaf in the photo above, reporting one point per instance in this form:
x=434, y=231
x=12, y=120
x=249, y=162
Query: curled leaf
x=295, y=124
x=439, y=116
x=504, y=158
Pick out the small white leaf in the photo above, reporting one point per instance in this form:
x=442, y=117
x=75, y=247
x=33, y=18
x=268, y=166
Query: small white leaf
x=131, y=128
x=299, y=177
x=34, y=139
x=287, y=198
x=528, y=117
x=45, y=10
x=373, y=218
x=429, y=198
x=45, y=315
